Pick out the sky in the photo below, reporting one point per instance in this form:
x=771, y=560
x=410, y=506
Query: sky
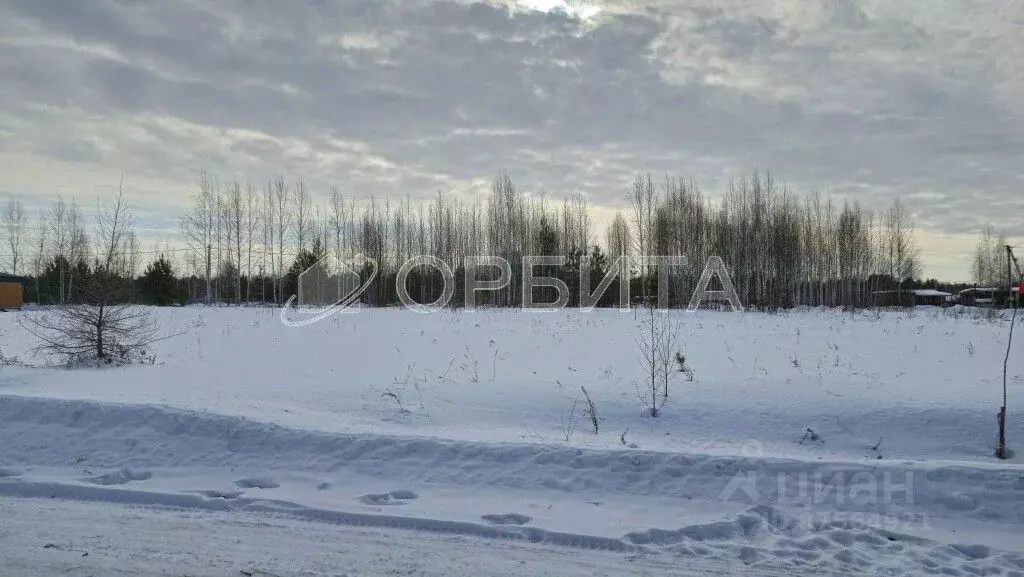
x=865, y=100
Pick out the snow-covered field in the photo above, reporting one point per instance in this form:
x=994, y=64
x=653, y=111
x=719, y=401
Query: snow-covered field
x=390, y=441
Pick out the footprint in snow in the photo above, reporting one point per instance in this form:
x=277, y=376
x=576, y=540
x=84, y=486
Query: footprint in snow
x=215, y=494
x=507, y=519
x=120, y=477
x=4, y=473
x=404, y=495
x=393, y=498
x=257, y=483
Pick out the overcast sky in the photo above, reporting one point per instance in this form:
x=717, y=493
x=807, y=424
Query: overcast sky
x=864, y=99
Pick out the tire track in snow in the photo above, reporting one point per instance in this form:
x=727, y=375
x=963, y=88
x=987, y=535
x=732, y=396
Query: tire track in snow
x=760, y=538
x=52, y=490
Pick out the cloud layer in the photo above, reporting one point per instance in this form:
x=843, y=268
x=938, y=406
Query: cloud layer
x=866, y=99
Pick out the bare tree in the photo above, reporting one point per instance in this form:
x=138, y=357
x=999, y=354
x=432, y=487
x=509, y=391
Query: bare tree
x=618, y=237
x=280, y=200
x=302, y=214
x=660, y=358
x=507, y=231
x=337, y=221
x=39, y=258
x=14, y=224
x=198, y=228
x=253, y=218
x=60, y=233
x=989, y=264
x=267, y=228
x=900, y=247
x=102, y=327
x=236, y=217
x=643, y=197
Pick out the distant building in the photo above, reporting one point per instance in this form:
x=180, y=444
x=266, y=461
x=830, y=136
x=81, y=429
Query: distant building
x=914, y=297
x=11, y=292
x=990, y=296
x=933, y=297
x=982, y=296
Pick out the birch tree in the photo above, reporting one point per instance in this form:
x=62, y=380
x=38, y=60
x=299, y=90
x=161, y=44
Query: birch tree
x=14, y=223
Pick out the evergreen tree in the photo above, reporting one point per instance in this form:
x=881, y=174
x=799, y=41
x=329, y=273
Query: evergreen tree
x=599, y=267
x=159, y=285
x=306, y=259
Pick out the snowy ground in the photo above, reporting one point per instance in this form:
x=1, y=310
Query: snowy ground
x=272, y=448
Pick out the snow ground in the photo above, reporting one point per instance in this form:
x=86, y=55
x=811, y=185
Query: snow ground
x=249, y=429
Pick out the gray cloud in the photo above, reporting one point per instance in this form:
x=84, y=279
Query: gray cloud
x=861, y=98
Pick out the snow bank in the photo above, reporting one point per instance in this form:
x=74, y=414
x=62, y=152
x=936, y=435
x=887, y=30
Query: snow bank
x=775, y=511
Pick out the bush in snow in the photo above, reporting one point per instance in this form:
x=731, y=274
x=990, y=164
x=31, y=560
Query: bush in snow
x=660, y=357
x=100, y=328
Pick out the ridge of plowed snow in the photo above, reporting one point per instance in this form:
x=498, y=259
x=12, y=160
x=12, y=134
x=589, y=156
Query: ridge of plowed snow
x=56, y=433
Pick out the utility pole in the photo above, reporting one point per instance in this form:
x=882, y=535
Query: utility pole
x=1001, y=451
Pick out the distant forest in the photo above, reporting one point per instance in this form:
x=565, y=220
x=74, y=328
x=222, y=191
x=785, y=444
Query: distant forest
x=248, y=243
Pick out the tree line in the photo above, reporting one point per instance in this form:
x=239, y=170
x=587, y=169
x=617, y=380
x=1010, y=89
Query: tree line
x=249, y=243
